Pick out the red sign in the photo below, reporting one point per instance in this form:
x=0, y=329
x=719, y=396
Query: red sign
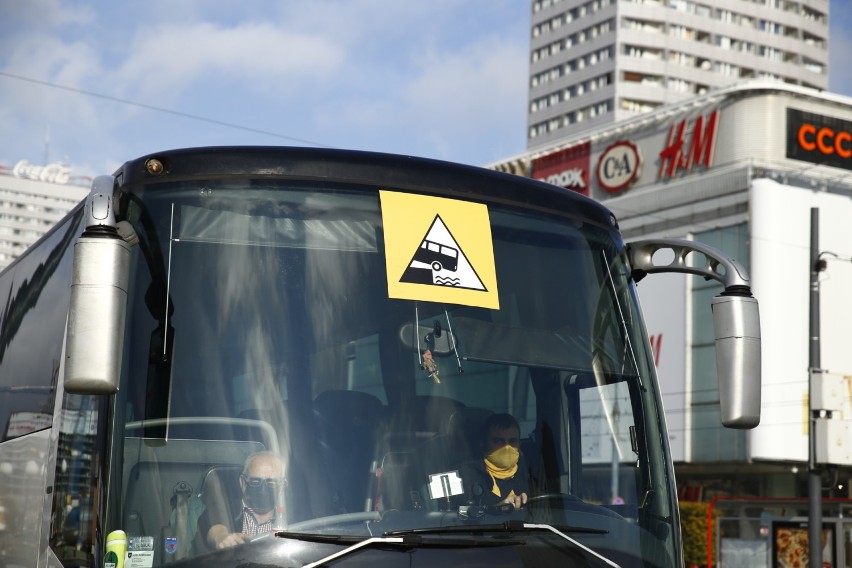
x=677, y=156
x=657, y=347
x=568, y=168
x=619, y=166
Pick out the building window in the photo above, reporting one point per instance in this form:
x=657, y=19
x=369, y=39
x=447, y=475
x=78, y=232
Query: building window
x=679, y=85
x=813, y=15
x=813, y=66
x=813, y=40
x=637, y=106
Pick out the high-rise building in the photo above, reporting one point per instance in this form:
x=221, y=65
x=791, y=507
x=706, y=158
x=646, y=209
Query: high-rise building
x=33, y=199
x=595, y=62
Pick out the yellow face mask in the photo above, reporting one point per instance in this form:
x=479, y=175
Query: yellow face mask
x=502, y=460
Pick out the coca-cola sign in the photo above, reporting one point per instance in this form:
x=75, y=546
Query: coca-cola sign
x=52, y=173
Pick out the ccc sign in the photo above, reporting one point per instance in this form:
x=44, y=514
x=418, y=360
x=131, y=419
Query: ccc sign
x=819, y=139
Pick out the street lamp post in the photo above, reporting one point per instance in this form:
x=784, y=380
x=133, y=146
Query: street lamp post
x=814, y=363
x=817, y=412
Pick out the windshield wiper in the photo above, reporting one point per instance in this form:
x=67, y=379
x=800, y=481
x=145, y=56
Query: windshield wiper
x=530, y=526
x=513, y=526
x=405, y=541
x=409, y=540
x=508, y=526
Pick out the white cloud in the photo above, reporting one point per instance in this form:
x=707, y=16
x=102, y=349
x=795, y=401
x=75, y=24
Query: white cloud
x=423, y=78
x=30, y=109
x=170, y=58
x=473, y=86
x=447, y=102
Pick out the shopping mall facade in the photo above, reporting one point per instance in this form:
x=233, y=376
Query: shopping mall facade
x=739, y=168
x=745, y=169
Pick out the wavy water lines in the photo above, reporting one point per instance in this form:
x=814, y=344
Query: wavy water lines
x=447, y=281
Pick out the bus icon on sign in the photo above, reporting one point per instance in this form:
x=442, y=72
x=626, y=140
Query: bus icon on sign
x=438, y=260
x=438, y=255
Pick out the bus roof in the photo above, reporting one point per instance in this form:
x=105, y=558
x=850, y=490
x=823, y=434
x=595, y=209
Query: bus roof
x=359, y=167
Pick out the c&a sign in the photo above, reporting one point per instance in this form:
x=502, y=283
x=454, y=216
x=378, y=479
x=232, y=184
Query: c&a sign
x=819, y=139
x=619, y=166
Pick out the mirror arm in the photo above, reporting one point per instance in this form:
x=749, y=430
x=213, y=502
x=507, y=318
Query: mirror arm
x=641, y=254
x=736, y=322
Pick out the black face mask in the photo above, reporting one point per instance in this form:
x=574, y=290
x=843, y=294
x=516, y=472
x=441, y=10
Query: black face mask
x=259, y=499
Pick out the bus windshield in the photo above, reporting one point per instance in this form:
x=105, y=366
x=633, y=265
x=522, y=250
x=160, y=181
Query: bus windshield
x=264, y=322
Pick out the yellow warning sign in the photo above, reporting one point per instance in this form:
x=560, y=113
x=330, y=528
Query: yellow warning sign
x=438, y=250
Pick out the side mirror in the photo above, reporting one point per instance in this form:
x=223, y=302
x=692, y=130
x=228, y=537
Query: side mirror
x=95, y=332
x=736, y=323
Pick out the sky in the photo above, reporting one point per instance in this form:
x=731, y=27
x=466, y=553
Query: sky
x=94, y=84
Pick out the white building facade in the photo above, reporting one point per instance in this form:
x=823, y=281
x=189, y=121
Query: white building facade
x=595, y=62
x=740, y=169
x=33, y=198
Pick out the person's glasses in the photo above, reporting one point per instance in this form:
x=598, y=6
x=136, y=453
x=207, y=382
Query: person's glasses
x=271, y=482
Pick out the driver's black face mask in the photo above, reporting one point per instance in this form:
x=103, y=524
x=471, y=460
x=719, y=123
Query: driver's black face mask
x=260, y=498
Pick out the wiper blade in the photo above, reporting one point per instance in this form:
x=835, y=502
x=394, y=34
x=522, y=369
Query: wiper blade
x=508, y=526
x=409, y=540
x=323, y=538
x=406, y=541
x=514, y=526
x=556, y=531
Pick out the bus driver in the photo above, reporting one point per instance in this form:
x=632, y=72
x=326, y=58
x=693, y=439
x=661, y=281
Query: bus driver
x=262, y=484
x=500, y=477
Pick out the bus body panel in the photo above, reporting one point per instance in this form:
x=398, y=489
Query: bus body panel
x=22, y=495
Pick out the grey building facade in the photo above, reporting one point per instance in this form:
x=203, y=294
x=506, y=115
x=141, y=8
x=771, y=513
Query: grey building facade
x=595, y=62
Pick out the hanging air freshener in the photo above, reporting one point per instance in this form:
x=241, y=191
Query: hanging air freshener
x=430, y=366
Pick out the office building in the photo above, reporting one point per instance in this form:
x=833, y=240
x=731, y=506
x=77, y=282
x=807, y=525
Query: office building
x=596, y=62
x=32, y=199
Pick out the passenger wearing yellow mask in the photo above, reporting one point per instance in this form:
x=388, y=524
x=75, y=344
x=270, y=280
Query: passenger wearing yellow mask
x=500, y=477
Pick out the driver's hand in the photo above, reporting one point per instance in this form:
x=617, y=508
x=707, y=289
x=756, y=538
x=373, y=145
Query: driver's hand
x=232, y=539
x=517, y=501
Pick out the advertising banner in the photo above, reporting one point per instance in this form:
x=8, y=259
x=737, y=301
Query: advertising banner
x=568, y=168
x=819, y=139
x=662, y=152
x=790, y=544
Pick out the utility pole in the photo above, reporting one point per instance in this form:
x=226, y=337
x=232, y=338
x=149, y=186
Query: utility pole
x=814, y=364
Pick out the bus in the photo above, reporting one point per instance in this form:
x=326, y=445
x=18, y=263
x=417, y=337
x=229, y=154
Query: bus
x=438, y=256
x=206, y=306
